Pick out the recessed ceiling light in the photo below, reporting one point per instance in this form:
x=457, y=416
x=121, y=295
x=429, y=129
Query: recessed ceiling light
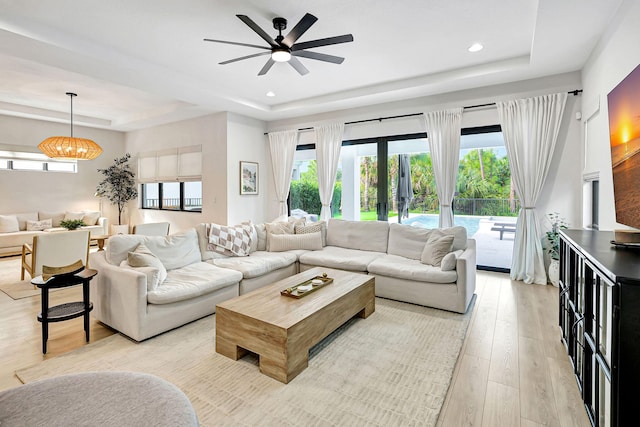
x=271, y=94
x=476, y=47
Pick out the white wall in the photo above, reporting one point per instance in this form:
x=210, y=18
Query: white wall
x=614, y=58
x=208, y=131
x=563, y=188
x=226, y=139
x=31, y=191
x=246, y=142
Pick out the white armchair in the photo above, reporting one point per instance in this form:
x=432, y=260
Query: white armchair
x=55, y=249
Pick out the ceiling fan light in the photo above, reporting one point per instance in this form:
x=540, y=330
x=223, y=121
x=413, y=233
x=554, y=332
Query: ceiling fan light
x=281, y=55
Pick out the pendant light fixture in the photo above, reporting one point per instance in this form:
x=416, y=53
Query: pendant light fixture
x=68, y=147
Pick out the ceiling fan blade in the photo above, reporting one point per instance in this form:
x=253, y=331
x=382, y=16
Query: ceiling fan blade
x=319, y=56
x=297, y=65
x=301, y=27
x=266, y=37
x=244, y=57
x=323, y=42
x=237, y=44
x=266, y=67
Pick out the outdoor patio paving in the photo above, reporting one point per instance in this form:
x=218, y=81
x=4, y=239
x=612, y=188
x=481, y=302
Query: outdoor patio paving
x=491, y=251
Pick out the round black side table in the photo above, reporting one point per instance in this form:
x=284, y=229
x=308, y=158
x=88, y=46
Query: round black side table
x=65, y=311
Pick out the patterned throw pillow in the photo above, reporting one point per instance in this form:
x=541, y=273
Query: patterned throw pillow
x=39, y=225
x=230, y=241
x=314, y=227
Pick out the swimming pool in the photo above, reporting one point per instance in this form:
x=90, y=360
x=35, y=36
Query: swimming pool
x=471, y=223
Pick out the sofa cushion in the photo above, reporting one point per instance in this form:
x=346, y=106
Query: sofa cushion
x=258, y=263
x=9, y=224
x=362, y=235
x=261, y=232
x=407, y=241
x=175, y=250
x=459, y=234
x=143, y=257
x=56, y=217
x=192, y=281
x=410, y=269
x=288, y=242
x=39, y=225
x=438, y=245
x=340, y=258
x=24, y=217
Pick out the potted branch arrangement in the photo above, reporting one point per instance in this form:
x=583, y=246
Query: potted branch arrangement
x=553, y=245
x=119, y=187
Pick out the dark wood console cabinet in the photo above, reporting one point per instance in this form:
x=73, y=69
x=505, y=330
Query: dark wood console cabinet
x=599, y=315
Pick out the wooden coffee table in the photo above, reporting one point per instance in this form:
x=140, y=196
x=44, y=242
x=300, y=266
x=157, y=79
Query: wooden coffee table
x=281, y=329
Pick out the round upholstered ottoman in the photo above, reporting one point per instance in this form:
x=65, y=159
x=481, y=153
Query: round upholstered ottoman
x=97, y=399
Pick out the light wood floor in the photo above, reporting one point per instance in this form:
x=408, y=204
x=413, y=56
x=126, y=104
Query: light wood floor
x=512, y=370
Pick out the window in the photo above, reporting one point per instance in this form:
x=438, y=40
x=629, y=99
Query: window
x=13, y=158
x=172, y=196
x=171, y=179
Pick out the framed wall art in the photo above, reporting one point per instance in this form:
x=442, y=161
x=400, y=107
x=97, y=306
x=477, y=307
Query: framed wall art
x=248, y=178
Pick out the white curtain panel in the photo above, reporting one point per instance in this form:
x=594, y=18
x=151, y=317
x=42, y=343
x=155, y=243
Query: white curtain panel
x=328, y=144
x=282, y=146
x=530, y=128
x=443, y=133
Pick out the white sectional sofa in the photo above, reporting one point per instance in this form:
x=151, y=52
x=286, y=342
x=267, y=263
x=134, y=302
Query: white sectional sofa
x=15, y=230
x=130, y=299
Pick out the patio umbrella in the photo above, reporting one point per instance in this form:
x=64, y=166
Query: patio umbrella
x=405, y=189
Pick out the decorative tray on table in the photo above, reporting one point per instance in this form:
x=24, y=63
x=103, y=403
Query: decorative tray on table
x=307, y=287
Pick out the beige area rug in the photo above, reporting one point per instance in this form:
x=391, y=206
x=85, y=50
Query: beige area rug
x=10, y=282
x=391, y=369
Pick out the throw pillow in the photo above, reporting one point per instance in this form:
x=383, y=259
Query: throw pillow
x=9, y=224
x=230, y=241
x=39, y=225
x=143, y=257
x=24, y=217
x=450, y=260
x=437, y=246
x=313, y=227
x=56, y=217
x=73, y=215
x=261, y=231
x=152, y=273
x=90, y=217
x=278, y=228
x=287, y=242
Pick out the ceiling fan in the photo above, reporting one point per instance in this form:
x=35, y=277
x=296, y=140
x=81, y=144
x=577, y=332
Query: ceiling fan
x=285, y=48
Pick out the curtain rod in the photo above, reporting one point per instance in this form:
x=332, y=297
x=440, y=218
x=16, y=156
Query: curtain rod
x=379, y=119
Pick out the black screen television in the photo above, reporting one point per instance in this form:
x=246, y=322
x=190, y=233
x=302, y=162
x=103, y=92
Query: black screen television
x=624, y=138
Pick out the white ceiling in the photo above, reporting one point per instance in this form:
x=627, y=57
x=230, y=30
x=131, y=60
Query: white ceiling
x=141, y=63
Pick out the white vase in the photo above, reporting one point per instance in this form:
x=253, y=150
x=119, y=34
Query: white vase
x=554, y=272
